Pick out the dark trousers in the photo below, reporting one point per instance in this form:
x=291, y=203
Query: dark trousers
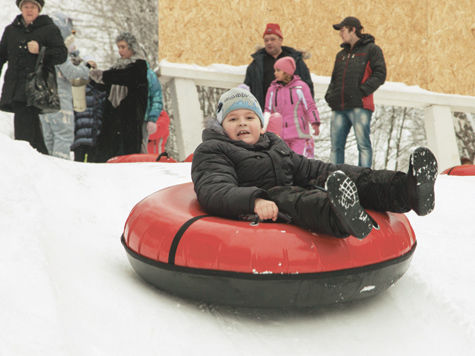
x=310, y=208
x=28, y=127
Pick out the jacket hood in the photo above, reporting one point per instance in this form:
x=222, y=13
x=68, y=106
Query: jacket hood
x=364, y=39
x=281, y=84
x=213, y=125
x=64, y=23
x=297, y=54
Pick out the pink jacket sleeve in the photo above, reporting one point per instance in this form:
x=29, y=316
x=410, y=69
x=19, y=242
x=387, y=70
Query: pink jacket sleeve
x=312, y=114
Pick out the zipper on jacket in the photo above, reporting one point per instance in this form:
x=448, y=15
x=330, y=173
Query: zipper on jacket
x=273, y=168
x=290, y=93
x=343, y=82
x=275, y=99
x=315, y=117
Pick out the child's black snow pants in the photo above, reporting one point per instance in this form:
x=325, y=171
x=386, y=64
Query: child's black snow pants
x=309, y=207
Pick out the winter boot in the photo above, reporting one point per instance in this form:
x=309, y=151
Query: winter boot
x=345, y=203
x=421, y=179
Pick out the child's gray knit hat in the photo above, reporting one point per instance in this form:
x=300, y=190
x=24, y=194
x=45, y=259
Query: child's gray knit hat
x=236, y=99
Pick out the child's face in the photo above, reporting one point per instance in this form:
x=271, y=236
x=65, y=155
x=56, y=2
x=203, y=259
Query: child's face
x=243, y=125
x=279, y=75
x=282, y=76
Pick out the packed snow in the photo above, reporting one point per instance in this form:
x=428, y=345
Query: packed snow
x=67, y=287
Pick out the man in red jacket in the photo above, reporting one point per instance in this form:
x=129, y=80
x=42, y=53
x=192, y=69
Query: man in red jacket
x=358, y=71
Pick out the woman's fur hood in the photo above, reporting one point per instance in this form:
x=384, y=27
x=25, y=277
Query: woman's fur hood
x=305, y=54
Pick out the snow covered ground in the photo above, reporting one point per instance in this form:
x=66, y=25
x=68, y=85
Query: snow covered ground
x=67, y=287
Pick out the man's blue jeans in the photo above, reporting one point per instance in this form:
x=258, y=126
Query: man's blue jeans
x=341, y=123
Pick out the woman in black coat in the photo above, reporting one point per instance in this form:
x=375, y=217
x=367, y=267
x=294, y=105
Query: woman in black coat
x=127, y=92
x=19, y=46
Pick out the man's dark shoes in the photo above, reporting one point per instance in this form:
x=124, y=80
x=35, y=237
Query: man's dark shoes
x=421, y=179
x=345, y=202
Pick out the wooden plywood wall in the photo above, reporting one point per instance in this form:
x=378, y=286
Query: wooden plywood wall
x=426, y=42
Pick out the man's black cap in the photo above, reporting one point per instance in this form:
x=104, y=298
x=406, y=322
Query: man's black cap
x=349, y=22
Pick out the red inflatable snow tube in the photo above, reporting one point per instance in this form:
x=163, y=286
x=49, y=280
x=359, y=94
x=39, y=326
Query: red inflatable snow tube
x=146, y=157
x=141, y=157
x=463, y=170
x=173, y=244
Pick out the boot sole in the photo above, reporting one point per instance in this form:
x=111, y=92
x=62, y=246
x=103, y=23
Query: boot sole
x=345, y=202
x=424, y=170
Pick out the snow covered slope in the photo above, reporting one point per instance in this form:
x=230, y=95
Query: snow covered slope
x=67, y=287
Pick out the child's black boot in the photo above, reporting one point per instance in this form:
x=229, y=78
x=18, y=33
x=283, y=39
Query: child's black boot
x=421, y=179
x=345, y=203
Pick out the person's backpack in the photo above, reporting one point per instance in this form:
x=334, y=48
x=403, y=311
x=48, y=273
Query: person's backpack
x=155, y=101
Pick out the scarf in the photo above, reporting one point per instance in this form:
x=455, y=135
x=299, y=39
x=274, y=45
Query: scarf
x=119, y=92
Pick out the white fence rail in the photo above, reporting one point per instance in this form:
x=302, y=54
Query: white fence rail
x=438, y=107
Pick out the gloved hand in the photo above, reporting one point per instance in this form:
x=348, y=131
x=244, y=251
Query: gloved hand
x=275, y=124
x=92, y=64
x=96, y=75
x=151, y=127
x=316, y=129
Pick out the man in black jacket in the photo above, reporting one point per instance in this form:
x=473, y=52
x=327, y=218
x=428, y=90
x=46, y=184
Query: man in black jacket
x=359, y=70
x=260, y=73
x=20, y=45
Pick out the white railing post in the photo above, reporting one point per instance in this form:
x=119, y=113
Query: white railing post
x=187, y=114
x=440, y=132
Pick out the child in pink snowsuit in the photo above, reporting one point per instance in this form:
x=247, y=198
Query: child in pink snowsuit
x=290, y=96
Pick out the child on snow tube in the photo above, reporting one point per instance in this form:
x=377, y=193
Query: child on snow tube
x=239, y=170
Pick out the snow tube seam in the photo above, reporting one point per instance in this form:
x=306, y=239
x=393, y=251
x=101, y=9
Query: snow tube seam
x=179, y=235
x=270, y=276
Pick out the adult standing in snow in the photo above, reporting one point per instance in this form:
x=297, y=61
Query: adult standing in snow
x=126, y=104
x=19, y=46
x=260, y=73
x=58, y=127
x=358, y=71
